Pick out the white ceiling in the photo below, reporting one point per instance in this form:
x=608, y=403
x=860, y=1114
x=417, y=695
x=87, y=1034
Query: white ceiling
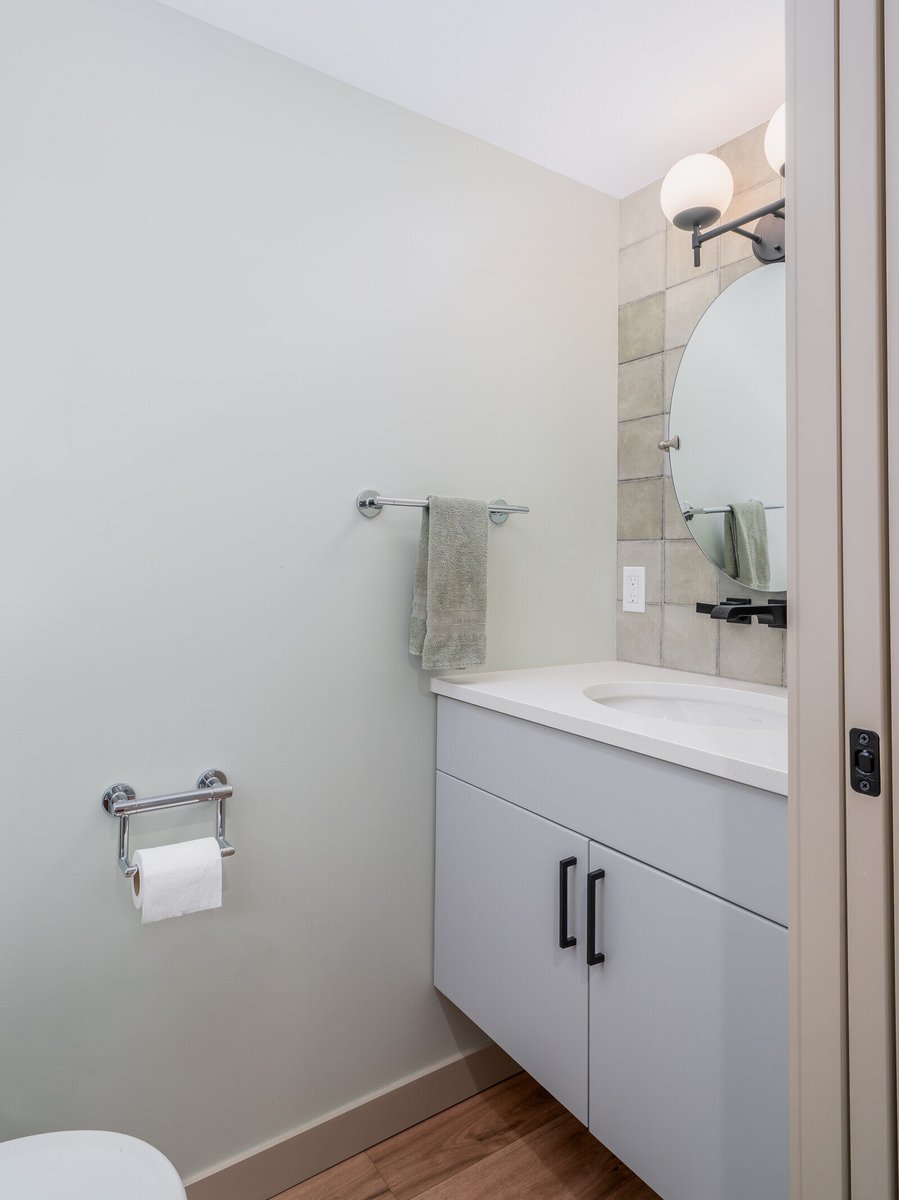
x=609, y=92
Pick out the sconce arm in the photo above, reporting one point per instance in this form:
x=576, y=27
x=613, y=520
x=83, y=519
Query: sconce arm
x=700, y=236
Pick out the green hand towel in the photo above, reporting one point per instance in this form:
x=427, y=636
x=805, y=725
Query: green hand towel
x=449, y=601
x=746, y=544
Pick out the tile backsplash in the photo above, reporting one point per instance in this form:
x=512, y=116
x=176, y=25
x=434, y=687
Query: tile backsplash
x=661, y=298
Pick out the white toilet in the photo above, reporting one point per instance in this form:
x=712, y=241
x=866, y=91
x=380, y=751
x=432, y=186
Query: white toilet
x=86, y=1164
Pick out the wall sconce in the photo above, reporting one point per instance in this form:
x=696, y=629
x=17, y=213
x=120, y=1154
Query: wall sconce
x=776, y=141
x=697, y=191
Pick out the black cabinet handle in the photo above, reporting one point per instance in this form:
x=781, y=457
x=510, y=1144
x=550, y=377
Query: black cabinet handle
x=594, y=956
x=565, y=938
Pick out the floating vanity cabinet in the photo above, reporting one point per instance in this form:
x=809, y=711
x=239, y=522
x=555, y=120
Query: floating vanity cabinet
x=688, y=1037
x=613, y=932
x=498, y=919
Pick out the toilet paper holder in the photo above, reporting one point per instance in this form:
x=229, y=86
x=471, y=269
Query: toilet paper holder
x=121, y=801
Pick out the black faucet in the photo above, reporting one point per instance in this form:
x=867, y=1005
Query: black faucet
x=741, y=610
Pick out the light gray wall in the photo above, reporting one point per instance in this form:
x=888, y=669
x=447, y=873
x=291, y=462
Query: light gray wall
x=662, y=297
x=232, y=294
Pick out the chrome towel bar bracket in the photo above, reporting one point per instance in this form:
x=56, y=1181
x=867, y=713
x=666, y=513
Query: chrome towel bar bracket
x=370, y=503
x=120, y=801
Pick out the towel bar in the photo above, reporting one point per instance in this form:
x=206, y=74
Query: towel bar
x=370, y=503
x=690, y=511
x=120, y=801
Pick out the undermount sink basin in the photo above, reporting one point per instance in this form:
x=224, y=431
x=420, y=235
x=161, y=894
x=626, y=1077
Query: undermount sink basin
x=694, y=704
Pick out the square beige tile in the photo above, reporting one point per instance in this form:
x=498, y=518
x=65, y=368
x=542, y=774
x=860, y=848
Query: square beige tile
x=640, y=509
x=752, y=652
x=689, y=640
x=642, y=554
x=685, y=304
x=640, y=388
x=679, y=257
x=675, y=527
x=745, y=155
x=641, y=269
x=641, y=328
x=639, y=636
x=728, y=587
x=640, y=215
x=733, y=271
x=639, y=455
x=689, y=576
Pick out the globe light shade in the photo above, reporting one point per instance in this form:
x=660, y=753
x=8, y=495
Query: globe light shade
x=776, y=141
x=696, y=191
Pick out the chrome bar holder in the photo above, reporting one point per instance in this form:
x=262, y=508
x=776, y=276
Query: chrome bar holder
x=120, y=801
x=370, y=503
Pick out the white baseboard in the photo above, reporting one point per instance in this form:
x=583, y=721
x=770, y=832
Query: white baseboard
x=273, y=1169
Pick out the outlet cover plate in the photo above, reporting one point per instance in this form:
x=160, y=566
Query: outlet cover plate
x=634, y=589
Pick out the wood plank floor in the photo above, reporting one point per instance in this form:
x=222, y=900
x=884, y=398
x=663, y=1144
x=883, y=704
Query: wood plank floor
x=513, y=1142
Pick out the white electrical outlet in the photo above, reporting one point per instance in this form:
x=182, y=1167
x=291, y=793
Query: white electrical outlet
x=634, y=589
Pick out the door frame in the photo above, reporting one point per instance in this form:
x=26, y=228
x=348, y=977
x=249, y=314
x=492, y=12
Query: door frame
x=891, y=290
x=842, y=1026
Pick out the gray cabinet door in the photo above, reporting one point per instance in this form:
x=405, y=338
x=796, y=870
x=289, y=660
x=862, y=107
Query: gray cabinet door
x=688, y=1037
x=497, y=953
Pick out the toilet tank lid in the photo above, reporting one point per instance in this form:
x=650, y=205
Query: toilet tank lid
x=86, y=1164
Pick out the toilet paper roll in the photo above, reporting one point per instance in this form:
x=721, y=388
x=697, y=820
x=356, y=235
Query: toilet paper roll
x=178, y=879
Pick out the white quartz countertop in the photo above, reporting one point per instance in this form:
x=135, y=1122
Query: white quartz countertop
x=554, y=696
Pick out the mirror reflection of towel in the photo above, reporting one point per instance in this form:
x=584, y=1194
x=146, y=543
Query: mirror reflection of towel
x=746, y=544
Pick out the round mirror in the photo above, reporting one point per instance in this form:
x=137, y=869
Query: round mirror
x=728, y=416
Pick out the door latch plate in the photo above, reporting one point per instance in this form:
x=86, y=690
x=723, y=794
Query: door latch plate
x=864, y=761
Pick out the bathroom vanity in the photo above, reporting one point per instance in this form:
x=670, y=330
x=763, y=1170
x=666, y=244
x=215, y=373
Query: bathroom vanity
x=611, y=907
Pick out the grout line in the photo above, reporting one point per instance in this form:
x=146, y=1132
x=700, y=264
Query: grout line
x=626, y=362
x=648, y=417
x=640, y=299
x=664, y=587
x=642, y=240
x=655, y=354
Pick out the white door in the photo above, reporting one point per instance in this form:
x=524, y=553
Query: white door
x=688, y=1036
x=509, y=933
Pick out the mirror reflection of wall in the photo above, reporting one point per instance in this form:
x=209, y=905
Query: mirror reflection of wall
x=728, y=411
